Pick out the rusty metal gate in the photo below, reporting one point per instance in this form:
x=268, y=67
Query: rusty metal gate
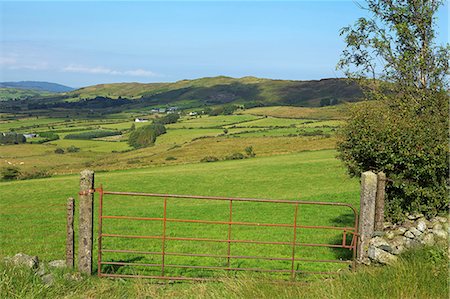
x=292, y=243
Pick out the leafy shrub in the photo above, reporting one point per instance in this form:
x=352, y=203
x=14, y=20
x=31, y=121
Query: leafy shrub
x=249, y=151
x=92, y=134
x=168, y=119
x=235, y=156
x=49, y=135
x=170, y=158
x=209, y=159
x=146, y=135
x=73, y=149
x=38, y=174
x=59, y=151
x=12, y=138
x=10, y=173
x=223, y=110
x=409, y=142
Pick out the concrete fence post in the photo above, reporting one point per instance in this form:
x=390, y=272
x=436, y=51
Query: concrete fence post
x=379, y=203
x=86, y=219
x=70, y=242
x=366, y=213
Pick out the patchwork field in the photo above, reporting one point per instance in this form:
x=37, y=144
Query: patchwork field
x=187, y=141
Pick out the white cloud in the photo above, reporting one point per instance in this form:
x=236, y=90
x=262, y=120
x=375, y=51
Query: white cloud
x=140, y=73
x=73, y=68
x=13, y=63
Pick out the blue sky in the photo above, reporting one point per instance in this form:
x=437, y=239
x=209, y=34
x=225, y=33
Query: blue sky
x=84, y=43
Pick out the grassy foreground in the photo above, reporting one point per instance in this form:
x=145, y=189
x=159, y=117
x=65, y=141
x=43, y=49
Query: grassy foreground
x=419, y=274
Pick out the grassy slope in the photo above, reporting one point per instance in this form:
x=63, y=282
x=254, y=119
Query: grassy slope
x=330, y=112
x=16, y=93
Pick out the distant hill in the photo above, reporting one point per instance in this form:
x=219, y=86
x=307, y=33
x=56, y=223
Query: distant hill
x=20, y=94
x=223, y=90
x=37, y=86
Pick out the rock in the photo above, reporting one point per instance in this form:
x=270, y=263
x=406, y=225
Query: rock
x=380, y=256
x=441, y=219
x=428, y=240
x=387, y=225
x=421, y=225
x=415, y=231
x=407, y=224
x=378, y=233
x=389, y=235
x=437, y=226
x=411, y=217
x=409, y=235
x=28, y=261
x=400, y=231
x=440, y=233
x=377, y=242
x=57, y=264
x=387, y=248
x=48, y=279
x=73, y=276
x=411, y=243
x=398, y=244
x=41, y=270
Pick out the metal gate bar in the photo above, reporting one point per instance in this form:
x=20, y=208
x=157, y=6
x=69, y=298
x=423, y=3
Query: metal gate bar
x=163, y=265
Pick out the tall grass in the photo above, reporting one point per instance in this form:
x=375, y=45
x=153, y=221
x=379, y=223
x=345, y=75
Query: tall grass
x=419, y=274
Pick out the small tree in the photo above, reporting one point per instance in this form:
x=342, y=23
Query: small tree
x=404, y=132
x=10, y=173
x=249, y=151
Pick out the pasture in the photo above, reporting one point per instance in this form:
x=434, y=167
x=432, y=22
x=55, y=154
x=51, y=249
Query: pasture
x=36, y=207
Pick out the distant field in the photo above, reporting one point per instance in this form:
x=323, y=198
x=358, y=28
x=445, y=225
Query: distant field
x=180, y=136
x=330, y=112
x=210, y=121
x=273, y=122
x=5, y=126
x=92, y=145
x=305, y=176
x=188, y=141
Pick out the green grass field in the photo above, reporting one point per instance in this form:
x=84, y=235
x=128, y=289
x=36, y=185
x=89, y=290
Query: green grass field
x=306, y=176
x=211, y=121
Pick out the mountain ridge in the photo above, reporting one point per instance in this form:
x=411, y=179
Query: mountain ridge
x=37, y=86
x=223, y=90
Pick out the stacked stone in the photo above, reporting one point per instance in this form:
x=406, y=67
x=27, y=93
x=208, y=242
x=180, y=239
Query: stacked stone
x=415, y=231
x=40, y=269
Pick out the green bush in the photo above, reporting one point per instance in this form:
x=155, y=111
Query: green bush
x=92, y=134
x=235, y=156
x=170, y=158
x=12, y=138
x=168, y=119
x=59, y=151
x=73, y=149
x=409, y=142
x=209, y=159
x=10, y=173
x=249, y=151
x=146, y=135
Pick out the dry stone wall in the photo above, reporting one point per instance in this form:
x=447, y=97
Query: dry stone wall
x=415, y=231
